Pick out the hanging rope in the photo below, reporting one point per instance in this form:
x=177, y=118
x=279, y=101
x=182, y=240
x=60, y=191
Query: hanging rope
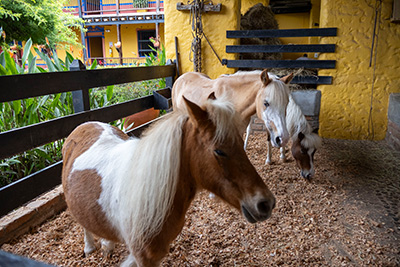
x=374, y=51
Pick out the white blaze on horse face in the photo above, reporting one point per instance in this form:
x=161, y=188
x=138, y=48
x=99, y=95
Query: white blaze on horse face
x=274, y=118
x=309, y=173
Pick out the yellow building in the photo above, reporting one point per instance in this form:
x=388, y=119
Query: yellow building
x=110, y=23
x=355, y=105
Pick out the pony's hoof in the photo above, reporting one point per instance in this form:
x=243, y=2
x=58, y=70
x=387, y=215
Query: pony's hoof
x=107, y=248
x=88, y=251
x=211, y=195
x=268, y=162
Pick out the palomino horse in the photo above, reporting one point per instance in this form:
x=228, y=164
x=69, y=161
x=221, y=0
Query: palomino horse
x=137, y=191
x=305, y=141
x=250, y=92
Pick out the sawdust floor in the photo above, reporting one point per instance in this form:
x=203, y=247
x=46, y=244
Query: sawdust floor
x=347, y=215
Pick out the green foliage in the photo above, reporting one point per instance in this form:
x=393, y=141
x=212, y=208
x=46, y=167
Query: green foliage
x=158, y=58
x=29, y=111
x=38, y=19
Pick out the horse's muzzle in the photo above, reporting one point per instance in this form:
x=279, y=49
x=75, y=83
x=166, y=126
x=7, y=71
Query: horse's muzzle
x=259, y=212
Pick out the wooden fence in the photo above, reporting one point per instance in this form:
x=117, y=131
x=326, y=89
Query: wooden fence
x=78, y=81
x=291, y=48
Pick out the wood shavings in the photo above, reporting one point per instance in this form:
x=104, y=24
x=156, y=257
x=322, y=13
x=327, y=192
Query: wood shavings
x=338, y=218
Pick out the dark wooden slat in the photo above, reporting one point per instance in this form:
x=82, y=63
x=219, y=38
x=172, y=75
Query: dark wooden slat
x=16, y=194
x=324, y=48
x=312, y=80
x=323, y=64
x=282, y=33
x=25, y=138
x=15, y=87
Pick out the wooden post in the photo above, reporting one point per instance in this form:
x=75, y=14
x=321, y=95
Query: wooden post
x=169, y=81
x=82, y=33
x=80, y=98
x=119, y=41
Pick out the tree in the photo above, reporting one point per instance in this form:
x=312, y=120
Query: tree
x=38, y=19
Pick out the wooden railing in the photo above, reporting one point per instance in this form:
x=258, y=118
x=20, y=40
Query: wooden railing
x=78, y=81
x=291, y=48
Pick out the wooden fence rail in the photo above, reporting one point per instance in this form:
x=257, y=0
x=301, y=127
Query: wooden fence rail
x=15, y=141
x=292, y=48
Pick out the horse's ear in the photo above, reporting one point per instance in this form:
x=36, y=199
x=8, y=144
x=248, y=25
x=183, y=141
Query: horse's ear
x=212, y=96
x=286, y=79
x=265, y=78
x=300, y=136
x=196, y=113
x=315, y=130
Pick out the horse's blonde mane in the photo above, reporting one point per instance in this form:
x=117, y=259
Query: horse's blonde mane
x=296, y=122
x=156, y=163
x=224, y=116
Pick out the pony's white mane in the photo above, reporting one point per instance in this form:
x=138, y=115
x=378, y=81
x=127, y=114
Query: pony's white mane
x=155, y=163
x=279, y=96
x=296, y=122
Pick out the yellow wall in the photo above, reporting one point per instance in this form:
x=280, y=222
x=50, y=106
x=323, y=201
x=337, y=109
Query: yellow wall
x=293, y=21
x=215, y=26
x=246, y=4
x=128, y=38
x=346, y=103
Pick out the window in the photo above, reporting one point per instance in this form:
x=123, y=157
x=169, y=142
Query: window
x=144, y=42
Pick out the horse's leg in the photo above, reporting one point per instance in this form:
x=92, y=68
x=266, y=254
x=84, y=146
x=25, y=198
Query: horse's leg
x=269, y=153
x=283, y=153
x=130, y=261
x=90, y=245
x=248, y=131
x=107, y=247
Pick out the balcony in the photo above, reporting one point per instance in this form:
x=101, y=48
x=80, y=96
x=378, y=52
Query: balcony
x=111, y=12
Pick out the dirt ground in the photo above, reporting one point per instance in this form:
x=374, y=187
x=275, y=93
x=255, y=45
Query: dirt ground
x=348, y=215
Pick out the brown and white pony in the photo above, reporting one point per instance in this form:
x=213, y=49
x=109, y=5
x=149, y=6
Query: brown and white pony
x=305, y=140
x=137, y=191
x=250, y=92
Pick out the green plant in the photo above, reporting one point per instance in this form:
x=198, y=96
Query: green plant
x=29, y=111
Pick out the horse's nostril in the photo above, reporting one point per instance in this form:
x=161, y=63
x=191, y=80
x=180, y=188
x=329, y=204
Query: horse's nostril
x=278, y=141
x=264, y=206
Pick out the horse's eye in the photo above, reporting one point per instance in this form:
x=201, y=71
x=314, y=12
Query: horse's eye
x=219, y=153
x=266, y=104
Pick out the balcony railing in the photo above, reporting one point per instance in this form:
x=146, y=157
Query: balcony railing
x=90, y=8
x=115, y=61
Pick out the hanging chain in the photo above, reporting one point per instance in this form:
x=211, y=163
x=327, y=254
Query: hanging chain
x=197, y=33
x=197, y=6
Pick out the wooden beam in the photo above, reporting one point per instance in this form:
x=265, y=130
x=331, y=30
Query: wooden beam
x=22, y=139
x=323, y=48
x=262, y=64
x=282, y=33
x=14, y=87
x=206, y=8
